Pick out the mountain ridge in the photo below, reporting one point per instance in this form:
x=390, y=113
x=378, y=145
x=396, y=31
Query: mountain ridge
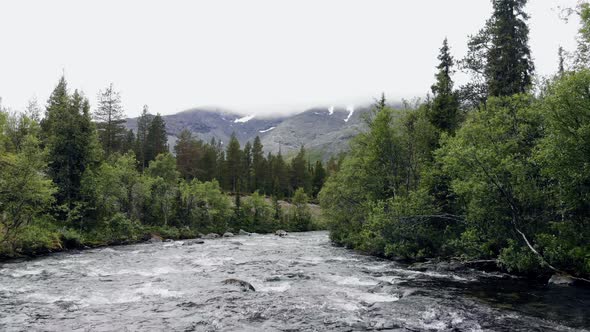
x=325, y=131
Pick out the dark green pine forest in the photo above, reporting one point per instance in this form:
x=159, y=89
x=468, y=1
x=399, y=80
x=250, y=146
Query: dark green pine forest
x=496, y=170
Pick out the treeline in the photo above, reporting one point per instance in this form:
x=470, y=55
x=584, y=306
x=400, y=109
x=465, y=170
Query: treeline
x=495, y=170
x=75, y=178
x=249, y=170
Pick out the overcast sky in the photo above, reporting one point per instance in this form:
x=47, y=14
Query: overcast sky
x=249, y=56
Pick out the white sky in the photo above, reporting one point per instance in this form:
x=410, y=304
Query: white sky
x=256, y=56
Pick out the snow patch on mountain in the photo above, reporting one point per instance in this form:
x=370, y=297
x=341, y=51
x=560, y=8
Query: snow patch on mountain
x=266, y=130
x=331, y=110
x=244, y=119
x=350, y=110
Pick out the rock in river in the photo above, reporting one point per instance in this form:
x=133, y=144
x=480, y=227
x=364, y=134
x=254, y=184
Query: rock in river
x=211, y=236
x=228, y=234
x=194, y=241
x=244, y=285
x=281, y=233
x=561, y=280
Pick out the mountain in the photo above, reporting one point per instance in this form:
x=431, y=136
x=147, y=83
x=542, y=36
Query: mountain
x=323, y=131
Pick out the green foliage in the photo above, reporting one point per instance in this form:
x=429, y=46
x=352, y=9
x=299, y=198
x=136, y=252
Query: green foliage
x=156, y=139
x=499, y=56
x=110, y=121
x=204, y=207
x=258, y=214
x=443, y=112
x=25, y=192
x=299, y=213
x=71, y=141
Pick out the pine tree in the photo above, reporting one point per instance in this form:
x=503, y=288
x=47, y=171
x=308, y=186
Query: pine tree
x=319, y=177
x=499, y=55
x=247, y=167
x=443, y=111
x=299, y=173
x=189, y=153
x=143, y=125
x=70, y=137
x=258, y=166
x=110, y=120
x=234, y=163
x=156, y=139
x=209, y=162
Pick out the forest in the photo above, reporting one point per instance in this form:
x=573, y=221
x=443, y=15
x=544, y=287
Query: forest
x=75, y=178
x=495, y=170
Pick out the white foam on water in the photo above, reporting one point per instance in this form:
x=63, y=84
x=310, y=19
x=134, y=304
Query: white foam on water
x=278, y=288
x=312, y=259
x=21, y=273
x=354, y=281
x=378, y=297
x=149, y=290
x=344, y=259
x=376, y=267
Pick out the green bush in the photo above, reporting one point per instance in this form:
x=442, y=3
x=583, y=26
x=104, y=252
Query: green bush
x=36, y=239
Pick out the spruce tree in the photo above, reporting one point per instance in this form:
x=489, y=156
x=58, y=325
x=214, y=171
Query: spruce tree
x=319, y=177
x=110, y=120
x=233, y=162
x=70, y=137
x=156, y=140
x=510, y=66
x=499, y=55
x=143, y=125
x=443, y=111
x=247, y=167
x=189, y=152
x=299, y=172
x=258, y=166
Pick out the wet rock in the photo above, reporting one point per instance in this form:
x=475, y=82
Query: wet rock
x=154, y=238
x=244, y=285
x=194, y=241
x=200, y=235
x=211, y=236
x=243, y=232
x=168, y=240
x=281, y=233
x=299, y=275
x=273, y=279
x=561, y=280
x=228, y=234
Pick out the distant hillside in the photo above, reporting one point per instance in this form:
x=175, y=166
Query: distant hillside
x=323, y=131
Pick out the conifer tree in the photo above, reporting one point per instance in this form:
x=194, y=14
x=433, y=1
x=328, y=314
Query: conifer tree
x=143, y=124
x=443, y=111
x=233, y=162
x=110, y=120
x=319, y=177
x=247, y=167
x=189, y=152
x=299, y=172
x=258, y=165
x=70, y=137
x=156, y=139
x=499, y=55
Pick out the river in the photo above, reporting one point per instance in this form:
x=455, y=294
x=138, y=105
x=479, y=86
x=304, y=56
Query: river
x=302, y=283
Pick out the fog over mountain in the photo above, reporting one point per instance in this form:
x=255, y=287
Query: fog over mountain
x=324, y=131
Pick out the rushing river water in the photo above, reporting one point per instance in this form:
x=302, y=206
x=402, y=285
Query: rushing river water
x=302, y=283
